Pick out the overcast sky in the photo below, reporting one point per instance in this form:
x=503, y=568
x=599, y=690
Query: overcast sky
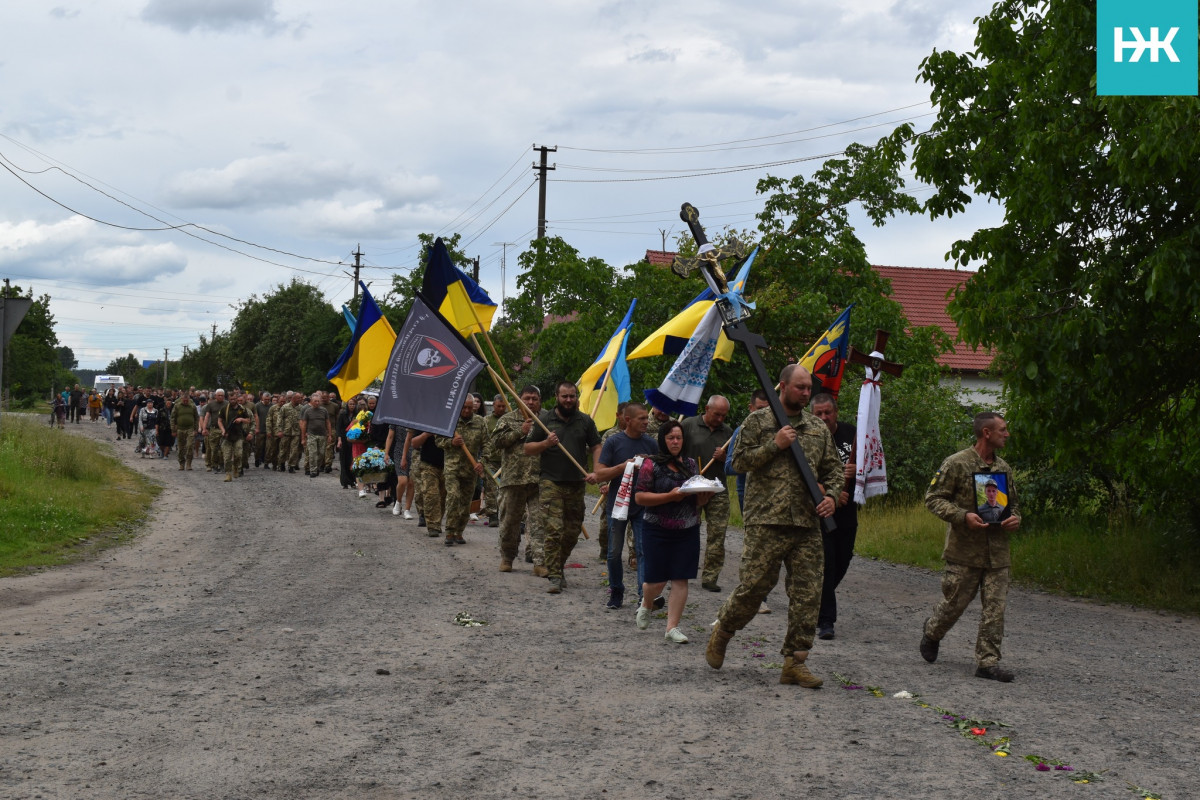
x=313, y=127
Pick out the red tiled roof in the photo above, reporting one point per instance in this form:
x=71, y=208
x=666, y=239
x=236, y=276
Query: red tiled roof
x=924, y=292
x=659, y=258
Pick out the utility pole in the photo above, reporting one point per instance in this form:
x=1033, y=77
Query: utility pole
x=357, y=268
x=503, y=265
x=541, y=170
x=664, y=232
x=538, y=297
x=475, y=270
x=214, y=335
x=165, y=352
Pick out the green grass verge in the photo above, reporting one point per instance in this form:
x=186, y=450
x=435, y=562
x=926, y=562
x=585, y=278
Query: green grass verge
x=1125, y=561
x=61, y=496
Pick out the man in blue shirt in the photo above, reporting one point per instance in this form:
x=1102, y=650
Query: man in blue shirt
x=620, y=449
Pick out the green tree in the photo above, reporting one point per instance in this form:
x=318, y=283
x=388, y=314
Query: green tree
x=128, y=367
x=32, y=367
x=1090, y=288
x=66, y=357
x=285, y=340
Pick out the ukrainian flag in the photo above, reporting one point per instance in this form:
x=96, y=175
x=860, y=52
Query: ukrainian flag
x=616, y=388
x=370, y=347
x=826, y=359
x=671, y=338
x=453, y=294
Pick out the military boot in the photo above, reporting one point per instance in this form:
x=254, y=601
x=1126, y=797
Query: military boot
x=795, y=672
x=506, y=565
x=714, y=654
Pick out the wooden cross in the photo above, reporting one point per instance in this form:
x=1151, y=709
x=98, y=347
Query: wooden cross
x=877, y=363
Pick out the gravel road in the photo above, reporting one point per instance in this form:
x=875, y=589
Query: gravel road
x=278, y=637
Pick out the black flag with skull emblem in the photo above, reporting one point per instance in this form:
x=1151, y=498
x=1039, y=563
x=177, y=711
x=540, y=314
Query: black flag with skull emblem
x=430, y=371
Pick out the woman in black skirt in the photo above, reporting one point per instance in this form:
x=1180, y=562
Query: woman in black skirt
x=670, y=528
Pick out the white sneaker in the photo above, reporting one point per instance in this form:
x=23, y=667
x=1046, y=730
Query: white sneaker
x=474, y=518
x=407, y=514
x=396, y=509
x=763, y=608
x=675, y=635
x=362, y=492
x=642, y=618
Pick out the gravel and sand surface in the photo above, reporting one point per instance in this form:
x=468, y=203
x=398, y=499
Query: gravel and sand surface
x=278, y=637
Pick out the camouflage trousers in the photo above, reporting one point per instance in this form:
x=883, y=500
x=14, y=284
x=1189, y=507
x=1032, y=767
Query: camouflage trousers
x=491, y=492
x=212, y=450
x=517, y=503
x=231, y=452
x=289, y=450
x=716, y=517
x=460, y=487
x=272, y=456
x=959, y=585
x=316, y=453
x=184, y=440
x=260, y=448
x=799, y=550
x=432, y=492
x=562, y=520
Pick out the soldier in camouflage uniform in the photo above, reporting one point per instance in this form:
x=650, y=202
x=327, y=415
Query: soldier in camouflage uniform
x=212, y=432
x=657, y=418
x=274, y=433
x=519, y=477
x=236, y=424
x=289, y=421
x=261, y=409
x=976, y=553
x=431, y=489
x=782, y=524
x=491, y=463
x=184, y=419
x=561, y=487
x=460, y=477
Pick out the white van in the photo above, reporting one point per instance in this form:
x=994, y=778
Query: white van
x=106, y=382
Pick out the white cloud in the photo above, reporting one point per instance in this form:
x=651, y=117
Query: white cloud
x=78, y=248
x=185, y=16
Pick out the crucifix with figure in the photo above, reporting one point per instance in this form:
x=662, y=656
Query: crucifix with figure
x=734, y=314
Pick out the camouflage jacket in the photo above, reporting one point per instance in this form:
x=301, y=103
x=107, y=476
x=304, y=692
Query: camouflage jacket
x=289, y=419
x=952, y=495
x=474, y=434
x=491, y=456
x=508, y=441
x=775, y=491
x=273, y=420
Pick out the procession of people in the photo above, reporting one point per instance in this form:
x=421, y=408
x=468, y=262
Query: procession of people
x=525, y=471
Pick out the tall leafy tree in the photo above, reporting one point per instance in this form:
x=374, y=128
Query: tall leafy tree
x=285, y=339
x=128, y=367
x=32, y=367
x=1090, y=288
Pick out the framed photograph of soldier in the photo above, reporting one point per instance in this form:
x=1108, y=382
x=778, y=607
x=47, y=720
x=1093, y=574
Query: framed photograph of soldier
x=991, y=496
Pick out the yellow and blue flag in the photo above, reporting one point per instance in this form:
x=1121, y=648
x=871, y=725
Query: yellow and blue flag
x=671, y=338
x=616, y=388
x=826, y=359
x=454, y=295
x=367, y=355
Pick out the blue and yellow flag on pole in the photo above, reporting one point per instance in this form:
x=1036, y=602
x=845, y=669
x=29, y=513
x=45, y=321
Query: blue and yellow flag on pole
x=367, y=355
x=826, y=359
x=454, y=295
x=670, y=339
x=598, y=397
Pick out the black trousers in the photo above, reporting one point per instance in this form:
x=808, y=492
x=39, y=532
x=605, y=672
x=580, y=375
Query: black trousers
x=839, y=550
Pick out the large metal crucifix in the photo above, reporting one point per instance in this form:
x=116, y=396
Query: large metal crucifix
x=734, y=314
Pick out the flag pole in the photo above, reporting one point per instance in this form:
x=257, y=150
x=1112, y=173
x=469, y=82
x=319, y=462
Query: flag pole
x=603, y=386
x=475, y=339
x=535, y=418
x=487, y=338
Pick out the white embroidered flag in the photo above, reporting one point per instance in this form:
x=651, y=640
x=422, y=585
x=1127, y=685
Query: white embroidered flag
x=681, y=389
x=870, y=479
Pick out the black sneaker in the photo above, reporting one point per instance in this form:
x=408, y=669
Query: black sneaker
x=659, y=602
x=420, y=520
x=616, y=598
x=929, y=647
x=995, y=673
x=825, y=632
x=710, y=586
